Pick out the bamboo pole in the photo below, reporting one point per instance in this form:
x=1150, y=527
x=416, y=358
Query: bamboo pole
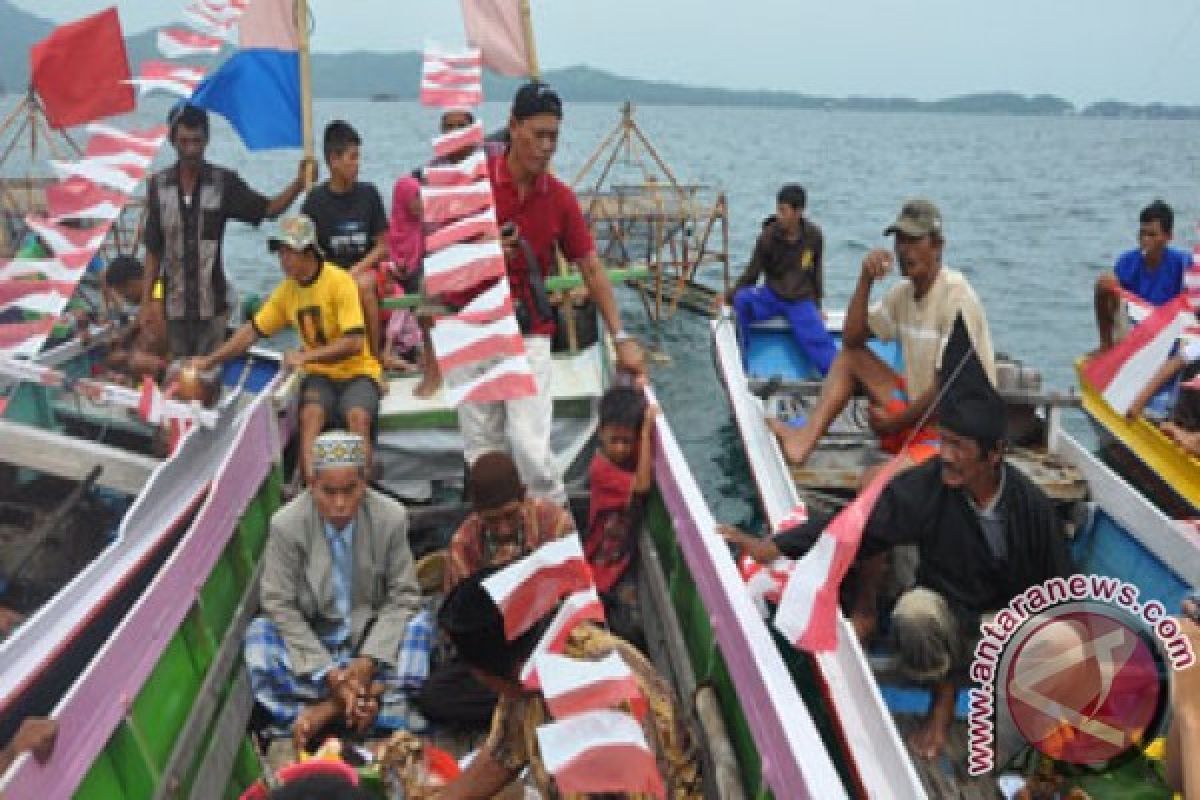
x=531, y=58
x=306, y=115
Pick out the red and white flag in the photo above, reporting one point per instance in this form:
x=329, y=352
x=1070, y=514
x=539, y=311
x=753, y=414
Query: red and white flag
x=470, y=58
x=600, y=752
x=182, y=43
x=40, y=269
x=455, y=141
x=161, y=76
x=25, y=338
x=529, y=589
x=495, y=27
x=458, y=344
x=573, y=686
x=147, y=142
x=441, y=204
x=443, y=73
x=765, y=582
x=79, y=198
x=463, y=266
x=508, y=379
x=36, y=296
x=475, y=228
x=1122, y=371
x=99, y=172
x=63, y=241
x=132, y=163
x=471, y=169
x=579, y=607
x=808, y=611
x=491, y=305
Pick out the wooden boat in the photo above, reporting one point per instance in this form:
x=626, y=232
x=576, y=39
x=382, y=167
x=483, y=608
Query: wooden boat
x=161, y=710
x=1154, y=462
x=1122, y=535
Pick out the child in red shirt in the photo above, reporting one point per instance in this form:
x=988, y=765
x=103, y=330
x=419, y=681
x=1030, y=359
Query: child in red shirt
x=619, y=477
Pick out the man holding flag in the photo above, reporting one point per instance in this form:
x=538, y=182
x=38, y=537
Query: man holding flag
x=984, y=533
x=187, y=207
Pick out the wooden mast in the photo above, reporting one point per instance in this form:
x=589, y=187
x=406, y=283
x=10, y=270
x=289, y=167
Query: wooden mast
x=306, y=115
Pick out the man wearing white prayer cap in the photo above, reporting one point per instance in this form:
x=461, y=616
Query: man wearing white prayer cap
x=342, y=643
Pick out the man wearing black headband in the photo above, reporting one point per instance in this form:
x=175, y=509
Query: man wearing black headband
x=541, y=219
x=983, y=532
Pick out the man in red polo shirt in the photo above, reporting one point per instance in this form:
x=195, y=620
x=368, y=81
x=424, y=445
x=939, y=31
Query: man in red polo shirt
x=539, y=214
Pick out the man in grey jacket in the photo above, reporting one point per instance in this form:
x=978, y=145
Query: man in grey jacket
x=342, y=642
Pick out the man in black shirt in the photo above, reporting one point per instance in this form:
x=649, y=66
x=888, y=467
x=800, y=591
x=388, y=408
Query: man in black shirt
x=350, y=219
x=789, y=252
x=187, y=206
x=983, y=531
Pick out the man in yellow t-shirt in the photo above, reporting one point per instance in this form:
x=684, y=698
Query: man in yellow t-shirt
x=919, y=312
x=341, y=382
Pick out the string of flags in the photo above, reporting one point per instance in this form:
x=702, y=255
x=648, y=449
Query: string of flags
x=598, y=706
x=479, y=349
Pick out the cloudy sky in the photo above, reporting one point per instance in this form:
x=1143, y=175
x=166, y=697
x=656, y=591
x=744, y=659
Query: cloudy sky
x=1083, y=50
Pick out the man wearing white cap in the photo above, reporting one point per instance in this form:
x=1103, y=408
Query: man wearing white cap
x=342, y=642
x=341, y=376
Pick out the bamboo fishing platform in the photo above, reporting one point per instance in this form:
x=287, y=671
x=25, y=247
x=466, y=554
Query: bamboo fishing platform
x=639, y=212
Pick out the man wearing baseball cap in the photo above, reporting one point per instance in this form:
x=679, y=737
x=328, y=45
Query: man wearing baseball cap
x=319, y=300
x=919, y=312
x=541, y=218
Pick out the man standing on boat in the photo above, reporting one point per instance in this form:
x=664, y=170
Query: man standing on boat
x=919, y=312
x=321, y=301
x=1153, y=270
x=789, y=252
x=342, y=641
x=187, y=206
x=541, y=217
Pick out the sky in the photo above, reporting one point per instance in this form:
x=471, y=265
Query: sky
x=1082, y=50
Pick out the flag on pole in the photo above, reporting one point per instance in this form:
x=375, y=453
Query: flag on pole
x=476, y=228
x=100, y=172
x=493, y=304
x=808, y=610
x=455, y=141
x=507, y=379
x=573, y=686
x=457, y=343
x=442, y=204
x=258, y=88
x=451, y=80
x=527, y=590
x=495, y=27
x=79, y=71
x=1122, y=371
x=463, y=266
x=579, y=607
x=39, y=268
x=471, y=169
x=79, y=198
x=600, y=752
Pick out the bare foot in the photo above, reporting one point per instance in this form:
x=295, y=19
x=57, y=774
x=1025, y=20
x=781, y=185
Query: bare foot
x=428, y=386
x=929, y=739
x=312, y=720
x=791, y=441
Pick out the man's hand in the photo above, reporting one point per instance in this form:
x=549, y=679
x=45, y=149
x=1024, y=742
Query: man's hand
x=631, y=359
x=650, y=417
x=362, y=710
x=294, y=359
x=307, y=172
x=883, y=423
x=876, y=264
x=761, y=550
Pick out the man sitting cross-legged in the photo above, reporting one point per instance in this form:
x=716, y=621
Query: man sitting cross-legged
x=342, y=640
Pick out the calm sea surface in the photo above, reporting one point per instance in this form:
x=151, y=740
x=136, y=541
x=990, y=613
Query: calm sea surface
x=1034, y=209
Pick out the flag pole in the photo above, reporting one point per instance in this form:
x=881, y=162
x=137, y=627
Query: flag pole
x=306, y=115
x=531, y=59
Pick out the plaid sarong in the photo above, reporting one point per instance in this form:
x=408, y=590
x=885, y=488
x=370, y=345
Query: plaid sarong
x=283, y=693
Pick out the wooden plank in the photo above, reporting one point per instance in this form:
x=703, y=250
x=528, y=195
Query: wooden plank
x=195, y=730
x=212, y=776
x=56, y=454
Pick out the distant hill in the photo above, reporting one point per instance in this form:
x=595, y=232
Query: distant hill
x=394, y=75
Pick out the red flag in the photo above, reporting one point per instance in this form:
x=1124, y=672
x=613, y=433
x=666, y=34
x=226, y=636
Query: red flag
x=807, y=613
x=528, y=589
x=573, y=686
x=598, y=752
x=578, y=608
x=495, y=27
x=81, y=70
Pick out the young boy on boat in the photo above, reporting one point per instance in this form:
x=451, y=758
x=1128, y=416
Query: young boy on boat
x=139, y=350
x=619, y=479
x=1152, y=271
x=341, y=383
x=351, y=222
x=790, y=254
x=919, y=312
